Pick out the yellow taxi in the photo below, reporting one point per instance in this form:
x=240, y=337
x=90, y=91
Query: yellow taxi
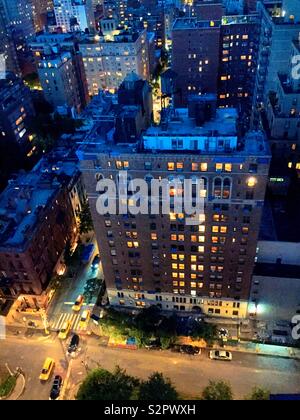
x=78, y=304
x=84, y=319
x=64, y=332
x=47, y=369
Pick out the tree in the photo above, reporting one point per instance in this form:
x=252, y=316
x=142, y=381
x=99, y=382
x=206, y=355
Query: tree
x=259, y=394
x=157, y=388
x=85, y=217
x=102, y=385
x=91, y=289
x=217, y=391
x=149, y=319
x=68, y=253
x=204, y=330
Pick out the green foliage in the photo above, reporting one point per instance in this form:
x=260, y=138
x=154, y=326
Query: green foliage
x=7, y=386
x=102, y=385
x=91, y=289
x=32, y=80
x=217, y=391
x=85, y=217
x=259, y=394
x=157, y=388
x=205, y=331
x=48, y=128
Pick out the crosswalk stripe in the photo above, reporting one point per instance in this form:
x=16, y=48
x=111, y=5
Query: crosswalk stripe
x=71, y=317
x=55, y=325
x=76, y=325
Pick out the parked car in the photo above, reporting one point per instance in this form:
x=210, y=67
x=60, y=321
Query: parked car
x=220, y=355
x=74, y=343
x=56, y=388
x=96, y=262
x=191, y=350
x=47, y=369
x=78, y=303
x=154, y=345
x=85, y=317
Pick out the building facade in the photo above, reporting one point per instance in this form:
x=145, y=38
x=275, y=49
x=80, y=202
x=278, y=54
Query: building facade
x=238, y=61
x=16, y=108
x=160, y=259
x=52, y=46
x=195, y=57
x=108, y=61
x=75, y=15
x=58, y=78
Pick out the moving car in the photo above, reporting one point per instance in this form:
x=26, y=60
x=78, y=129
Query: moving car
x=84, y=319
x=78, y=304
x=191, y=350
x=74, y=343
x=47, y=369
x=64, y=332
x=96, y=262
x=56, y=388
x=220, y=355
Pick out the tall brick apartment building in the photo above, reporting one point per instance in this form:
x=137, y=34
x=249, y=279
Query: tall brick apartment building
x=161, y=260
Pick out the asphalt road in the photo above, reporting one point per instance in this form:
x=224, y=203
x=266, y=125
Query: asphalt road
x=65, y=297
x=189, y=373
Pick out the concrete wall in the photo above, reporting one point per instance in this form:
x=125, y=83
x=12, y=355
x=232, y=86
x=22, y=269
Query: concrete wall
x=270, y=251
x=278, y=298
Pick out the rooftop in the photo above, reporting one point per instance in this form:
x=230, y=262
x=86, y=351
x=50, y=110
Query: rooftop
x=193, y=23
x=23, y=202
x=179, y=123
x=240, y=19
x=100, y=140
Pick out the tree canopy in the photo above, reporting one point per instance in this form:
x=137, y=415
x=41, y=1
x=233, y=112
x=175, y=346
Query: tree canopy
x=217, y=391
x=259, y=394
x=85, y=217
x=157, y=388
x=103, y=385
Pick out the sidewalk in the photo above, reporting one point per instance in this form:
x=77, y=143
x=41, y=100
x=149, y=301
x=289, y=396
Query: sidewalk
x=266, y=350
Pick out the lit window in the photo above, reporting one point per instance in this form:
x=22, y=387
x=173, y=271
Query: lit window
x=171, y=166
x=252, y=182
x=219, y=167
x=228, y=167
x=203, y=167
